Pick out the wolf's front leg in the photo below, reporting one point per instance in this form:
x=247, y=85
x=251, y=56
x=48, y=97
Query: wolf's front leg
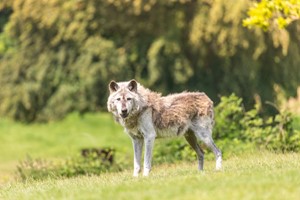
x=149, y=143
x=138, y=148
x=147, y=129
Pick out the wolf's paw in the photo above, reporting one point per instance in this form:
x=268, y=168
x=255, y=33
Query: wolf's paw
x=146, y=172
x=219, y=163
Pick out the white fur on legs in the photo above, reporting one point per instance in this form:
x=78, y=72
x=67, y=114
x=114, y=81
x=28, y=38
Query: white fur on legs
x=136, y=172
x=146, y=172
x=219, y=163
x=149, y=143
x=138, y=148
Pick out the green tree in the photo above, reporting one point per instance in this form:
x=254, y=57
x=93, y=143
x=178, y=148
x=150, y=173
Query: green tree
x=59, y=55
x=61, y=64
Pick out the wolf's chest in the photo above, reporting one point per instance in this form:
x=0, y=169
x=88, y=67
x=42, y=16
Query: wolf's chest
x=134, y=132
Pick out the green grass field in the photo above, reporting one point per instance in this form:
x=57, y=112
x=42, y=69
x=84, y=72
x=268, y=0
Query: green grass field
x=58, y=139
x=251, y=175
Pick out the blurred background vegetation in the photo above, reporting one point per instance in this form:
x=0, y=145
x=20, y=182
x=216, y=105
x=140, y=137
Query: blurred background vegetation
x=57, y=56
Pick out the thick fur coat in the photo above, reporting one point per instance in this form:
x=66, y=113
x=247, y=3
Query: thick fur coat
x=147, y=115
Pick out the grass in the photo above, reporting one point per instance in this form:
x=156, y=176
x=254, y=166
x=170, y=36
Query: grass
x=250, y=175
x=254, y=176
x=57, y=139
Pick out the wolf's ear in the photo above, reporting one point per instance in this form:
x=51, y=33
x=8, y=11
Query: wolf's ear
x=113, y=86
x=132, y=85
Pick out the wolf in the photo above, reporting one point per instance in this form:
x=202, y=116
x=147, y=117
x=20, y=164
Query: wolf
x=147, y=115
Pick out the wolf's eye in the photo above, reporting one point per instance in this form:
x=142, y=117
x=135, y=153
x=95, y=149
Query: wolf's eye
x=128, y=99
x=118, y=99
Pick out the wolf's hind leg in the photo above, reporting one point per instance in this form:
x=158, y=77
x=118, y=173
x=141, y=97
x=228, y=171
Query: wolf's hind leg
x=192, y=140
x=204, y=134
x=218, y=154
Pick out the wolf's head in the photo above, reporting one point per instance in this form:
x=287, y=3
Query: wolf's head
x=123, y=99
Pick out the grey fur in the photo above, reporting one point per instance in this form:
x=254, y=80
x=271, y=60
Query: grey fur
x=147, y=115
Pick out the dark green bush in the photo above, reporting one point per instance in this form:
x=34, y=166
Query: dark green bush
x=38, y=169
x=273, y=132
x=172, y=150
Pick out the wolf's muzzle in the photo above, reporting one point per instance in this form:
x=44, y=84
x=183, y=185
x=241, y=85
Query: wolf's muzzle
x=124, y=113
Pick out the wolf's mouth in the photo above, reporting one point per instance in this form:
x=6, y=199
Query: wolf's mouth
x=124, y=115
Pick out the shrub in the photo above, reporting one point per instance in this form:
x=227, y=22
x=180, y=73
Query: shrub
x=38, y=169
x=172, y=150
x=272, y=132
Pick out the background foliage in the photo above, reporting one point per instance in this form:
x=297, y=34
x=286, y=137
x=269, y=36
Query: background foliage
x=58, y=56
